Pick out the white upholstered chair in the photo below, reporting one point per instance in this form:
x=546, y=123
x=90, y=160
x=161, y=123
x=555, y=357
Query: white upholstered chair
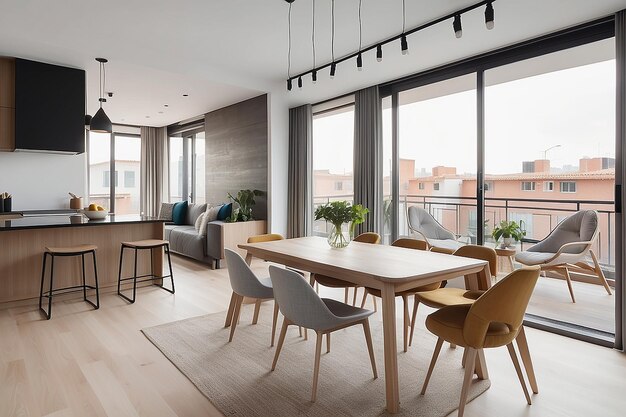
x=566, y=249
x=427, y=228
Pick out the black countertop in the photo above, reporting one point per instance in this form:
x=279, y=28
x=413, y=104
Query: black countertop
x=77, y=220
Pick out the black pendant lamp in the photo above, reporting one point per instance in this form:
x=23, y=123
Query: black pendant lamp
x=100, y=122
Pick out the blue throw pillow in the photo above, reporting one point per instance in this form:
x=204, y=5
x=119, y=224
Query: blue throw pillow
x=225, y=211
x=179, y=212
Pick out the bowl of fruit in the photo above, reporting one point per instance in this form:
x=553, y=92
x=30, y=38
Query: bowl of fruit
x=95, y=212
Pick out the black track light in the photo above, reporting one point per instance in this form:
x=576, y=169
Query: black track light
x=289, y=85
x=359, y=62
x=489, y=16
x=300, y=82
x=379, y=53
x=314, y=76
x=456, y=25
x=404, y=44
x=333, y=69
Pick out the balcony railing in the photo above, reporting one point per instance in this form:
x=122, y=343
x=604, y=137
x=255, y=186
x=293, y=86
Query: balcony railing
x=458, y=214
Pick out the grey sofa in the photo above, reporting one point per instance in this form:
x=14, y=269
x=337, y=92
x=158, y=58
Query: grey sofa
x=185, y=240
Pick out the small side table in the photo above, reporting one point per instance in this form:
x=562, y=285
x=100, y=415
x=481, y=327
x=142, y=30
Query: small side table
x=509, y=255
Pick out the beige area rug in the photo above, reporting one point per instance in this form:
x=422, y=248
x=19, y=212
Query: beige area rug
x=236, y=376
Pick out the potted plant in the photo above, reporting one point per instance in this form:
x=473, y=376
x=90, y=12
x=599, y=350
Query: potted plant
x=340, y=213
x=509, y=231
x=245, y=203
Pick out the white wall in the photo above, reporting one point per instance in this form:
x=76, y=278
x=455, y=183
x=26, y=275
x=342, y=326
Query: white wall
x=40, y=181
x=278, y=160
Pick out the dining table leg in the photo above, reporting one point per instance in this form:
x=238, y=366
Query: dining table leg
x=388, y=294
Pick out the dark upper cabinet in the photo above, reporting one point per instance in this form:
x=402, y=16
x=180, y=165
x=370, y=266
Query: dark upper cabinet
x=49, y=107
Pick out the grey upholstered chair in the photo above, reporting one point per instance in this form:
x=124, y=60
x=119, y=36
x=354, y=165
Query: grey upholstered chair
x=301, y=306
x=427, y=228
x=566, y=248
x=246, y=284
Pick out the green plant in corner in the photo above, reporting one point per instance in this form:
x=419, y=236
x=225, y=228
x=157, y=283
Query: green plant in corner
x=245, y=203
x=509, y=230
x=337, y=213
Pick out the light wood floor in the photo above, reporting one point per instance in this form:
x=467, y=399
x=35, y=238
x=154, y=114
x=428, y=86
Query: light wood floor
x=98, y=363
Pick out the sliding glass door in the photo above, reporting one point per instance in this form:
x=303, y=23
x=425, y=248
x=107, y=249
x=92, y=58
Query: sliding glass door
x=187, y=172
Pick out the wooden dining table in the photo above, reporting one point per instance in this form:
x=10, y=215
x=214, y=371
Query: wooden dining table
x=387, y=268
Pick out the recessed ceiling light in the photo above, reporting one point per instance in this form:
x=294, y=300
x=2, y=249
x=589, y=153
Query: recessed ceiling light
x=166, y=105
x=185, y=95
x=147, y=117
x=160, y=112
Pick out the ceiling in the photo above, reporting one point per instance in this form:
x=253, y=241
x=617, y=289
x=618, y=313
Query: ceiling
x=222, y=52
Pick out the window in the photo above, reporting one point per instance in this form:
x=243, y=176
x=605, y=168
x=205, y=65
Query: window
x=122, y=153
x=333, y=141
x=187, y=167
x=528, y=186
x=488, y=186
x=129, y=179
x=436, y=186
x=568, y=186
x=420, y=186
x=528, y=166
x=548, y=186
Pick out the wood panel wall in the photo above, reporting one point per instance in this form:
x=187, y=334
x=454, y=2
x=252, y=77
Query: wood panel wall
x=237, y=151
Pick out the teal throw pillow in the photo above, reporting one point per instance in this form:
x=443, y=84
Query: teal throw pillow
x=225, y=211
x=179, y=212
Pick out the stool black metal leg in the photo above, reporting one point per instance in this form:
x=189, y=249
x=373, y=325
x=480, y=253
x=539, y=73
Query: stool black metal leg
x=49, y=313
x=95, y=274
x=43, y=276
x=169, y=261
x=119, y=275
x=82, y=259
x=135, y=278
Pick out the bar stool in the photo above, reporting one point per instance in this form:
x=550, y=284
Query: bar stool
x=150, y=244
x=81, y=250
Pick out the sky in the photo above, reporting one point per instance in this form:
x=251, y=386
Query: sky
x=573, y=108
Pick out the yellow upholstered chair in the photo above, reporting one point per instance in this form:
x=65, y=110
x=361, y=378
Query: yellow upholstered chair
x=447, y=251
x=326, y=281
x=493, y=320
x=409, y=244
x=268, y=237
x=442, y=297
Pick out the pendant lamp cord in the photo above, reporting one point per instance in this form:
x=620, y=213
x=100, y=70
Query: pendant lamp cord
x=332, y=35
x=360, y=26
x=289, y=43
x=403, y=16
x=313, y=34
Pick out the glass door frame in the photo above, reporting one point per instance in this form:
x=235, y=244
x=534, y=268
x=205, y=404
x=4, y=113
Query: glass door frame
x=569, y=38
x=189, y=163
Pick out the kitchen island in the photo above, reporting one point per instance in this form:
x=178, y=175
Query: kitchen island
x=22, y=243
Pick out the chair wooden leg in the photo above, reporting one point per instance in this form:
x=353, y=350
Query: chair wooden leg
x=274, y=320
x=467, y=379
x=518, y=370
x=416, y=303
x=316, y=368
x=354, y=296
x=345, y=295
x=569, y=284
x=328, y=342
x=406, y=323
x=481, y=365
x=257, y=309
x=370, y=348
x=364, y=297
x=300, y=331
x=281, y=340
x=306, y=334
x=522, y=345
x=231, y=308
x=374, y=301
x=236, y=314
x=600, y=273
x=433, y=361
x=464, y=359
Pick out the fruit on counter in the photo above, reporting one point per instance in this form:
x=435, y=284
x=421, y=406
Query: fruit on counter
x=95, y=207
x=100, y=208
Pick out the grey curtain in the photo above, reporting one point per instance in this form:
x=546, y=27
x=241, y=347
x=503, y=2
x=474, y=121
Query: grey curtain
x=620, y=177
x=368, y=157
x=154, y=169
x=299, y=181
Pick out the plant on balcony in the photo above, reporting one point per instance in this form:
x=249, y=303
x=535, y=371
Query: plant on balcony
x=245, y=203
x=509, y=231
x=339, y=213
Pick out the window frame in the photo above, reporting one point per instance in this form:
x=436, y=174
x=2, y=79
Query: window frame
x=569, y=183
x=548, y=189
x=189, y=163
x=533, y=186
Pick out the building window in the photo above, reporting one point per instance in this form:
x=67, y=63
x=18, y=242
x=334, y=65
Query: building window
x=106, y=179
x=436, y=186
x=528, y=186
x=548, y=186
x=568, y=186
x=488, y=186
x=338, y=185
x=420, y=186
x=129, y=179
x=528, y=166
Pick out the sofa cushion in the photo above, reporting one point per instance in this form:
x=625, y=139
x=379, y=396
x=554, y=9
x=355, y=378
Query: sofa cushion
x=212, y=212
x=225, y=211
x=193, y=212
x=165, y=213
x=185, y=240
x=179, y=213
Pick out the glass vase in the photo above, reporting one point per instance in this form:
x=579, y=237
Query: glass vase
x=339, y=236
